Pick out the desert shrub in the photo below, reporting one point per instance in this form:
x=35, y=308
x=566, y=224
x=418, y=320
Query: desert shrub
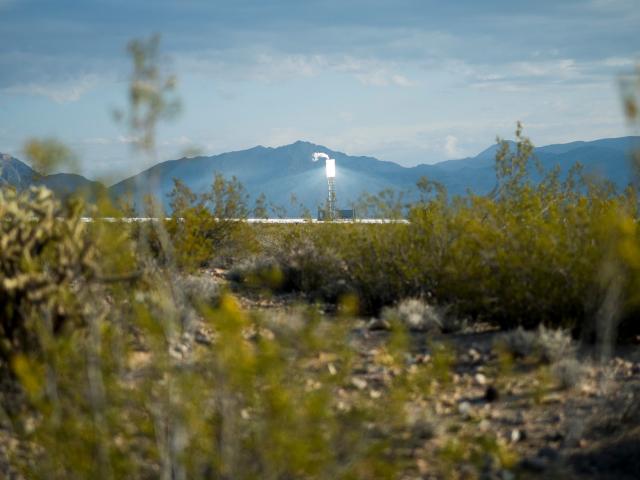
x=568, y=372
x=259, y=272
x=130, y=394
x=379, y=264
x=554, y=345
x=208, y=229
x=312, y=266
x=199, y=288
x=513, y=262
x=519, y=343
x=47, y=268
x=414, y=314
x=192, y=232
x=295, y=258
x=125, y=390
x=543, y=345
x=328, y=261
x=248, y=406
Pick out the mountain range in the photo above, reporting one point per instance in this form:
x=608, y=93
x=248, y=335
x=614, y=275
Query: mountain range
x=18, y=174
x=290, y=170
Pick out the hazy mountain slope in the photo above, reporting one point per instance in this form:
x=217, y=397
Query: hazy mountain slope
x=289, y=170
x=14, y=172
x=21, y=176
x=64, y=184
x=278, y=172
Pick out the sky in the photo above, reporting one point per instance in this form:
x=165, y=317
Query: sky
x=409, y=81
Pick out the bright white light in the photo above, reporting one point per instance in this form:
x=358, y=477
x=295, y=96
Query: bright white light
x=329, y=162
x=331, y=168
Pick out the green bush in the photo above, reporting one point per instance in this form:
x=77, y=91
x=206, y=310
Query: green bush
x=548, y=253
x=47, y=268
x=208, y=229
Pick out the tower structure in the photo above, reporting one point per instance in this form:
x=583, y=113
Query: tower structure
x=331, y=211
x=331, y=184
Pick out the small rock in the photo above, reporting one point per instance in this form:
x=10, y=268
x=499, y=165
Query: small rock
x=359, y=383
x=202, y=338
x=480, y=379
x=464, y=409
x=491, y=394
x=551, y=398
x=589, y=390
x=474, y=355
x=176, y=352
x=517, y=435
x=375, y=394
x=378, y=324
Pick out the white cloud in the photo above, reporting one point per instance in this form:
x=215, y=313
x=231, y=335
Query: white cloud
x=181, y=141
x=59, y=92
x=97, y=141
x=557, y=68
x=618, y=62
x=451, y=146
x=376, y=78
x=534, y=74
x=401, y=81
x=370, y=72
x=411, y=143
x=274, y=66
x=126, y=139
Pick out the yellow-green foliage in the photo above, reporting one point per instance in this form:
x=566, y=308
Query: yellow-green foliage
x=263, y=402
x=526, y=254
x=207, y=229
x=153, y=382
x=49, y=154
x=46, y=264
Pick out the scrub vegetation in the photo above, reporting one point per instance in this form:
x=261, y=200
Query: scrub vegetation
x=202, y=346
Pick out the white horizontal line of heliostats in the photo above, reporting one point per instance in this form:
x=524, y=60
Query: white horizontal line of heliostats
x=247, y=220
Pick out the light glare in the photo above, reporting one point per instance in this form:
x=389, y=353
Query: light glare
x=331, y=168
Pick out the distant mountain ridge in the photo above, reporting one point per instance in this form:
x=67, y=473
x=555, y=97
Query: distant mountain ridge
x=289, y=170
x=283, y=171
x=21, y=176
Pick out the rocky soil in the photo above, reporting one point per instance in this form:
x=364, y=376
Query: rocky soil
x=575, y=417
x=578, y=422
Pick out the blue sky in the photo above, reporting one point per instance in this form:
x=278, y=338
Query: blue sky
x=411, y=81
